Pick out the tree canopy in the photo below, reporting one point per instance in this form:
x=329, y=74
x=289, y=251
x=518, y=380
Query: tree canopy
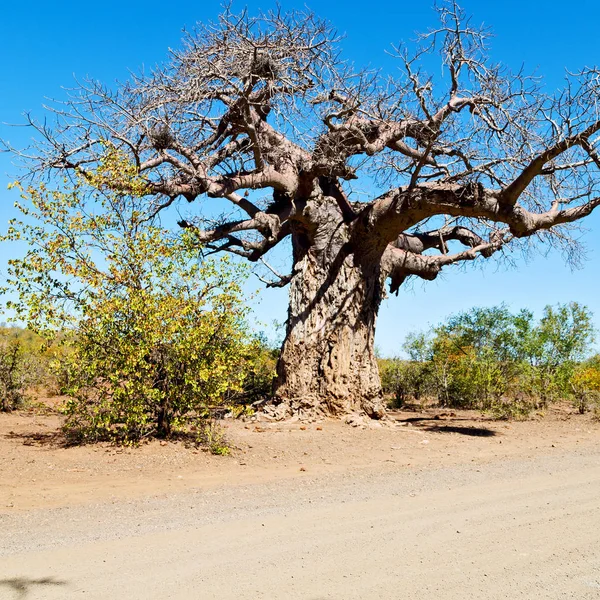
x=264, y=113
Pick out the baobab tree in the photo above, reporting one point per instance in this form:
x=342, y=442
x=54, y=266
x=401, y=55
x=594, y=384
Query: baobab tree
x=374, y=179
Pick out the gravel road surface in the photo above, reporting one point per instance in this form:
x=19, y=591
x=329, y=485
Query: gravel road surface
x=519, y=528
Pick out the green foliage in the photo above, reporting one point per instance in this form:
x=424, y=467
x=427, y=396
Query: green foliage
x=585, y=383
x=518, y=407
x=478, y=352
x=155, y=336
x=491, y=359
x=22, y=365
x=211, y=436
x=405, y=380
x=260, y=374
x=150, y=361
x=561, y=340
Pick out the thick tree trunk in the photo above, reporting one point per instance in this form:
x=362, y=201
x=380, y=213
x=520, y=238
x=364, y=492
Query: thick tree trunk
x=327, y=363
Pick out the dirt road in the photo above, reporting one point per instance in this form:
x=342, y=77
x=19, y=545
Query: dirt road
x=518, y=527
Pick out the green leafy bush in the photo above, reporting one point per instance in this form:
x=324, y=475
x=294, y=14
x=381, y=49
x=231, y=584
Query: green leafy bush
x=154, y=335
x=22, y=366
x=259, y=377
x=585, y=383
x=406, y=381
x=157, y=359
x=494, y=360
x=13, y=373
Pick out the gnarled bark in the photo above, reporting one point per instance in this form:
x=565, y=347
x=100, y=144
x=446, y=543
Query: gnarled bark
x=328, y=363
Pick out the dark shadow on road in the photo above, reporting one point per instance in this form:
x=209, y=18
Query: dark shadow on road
x=21, y=586
x=54, y=439
x=472, y=431
x=421, y=419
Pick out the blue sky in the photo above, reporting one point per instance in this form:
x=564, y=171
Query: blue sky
x=46, y=43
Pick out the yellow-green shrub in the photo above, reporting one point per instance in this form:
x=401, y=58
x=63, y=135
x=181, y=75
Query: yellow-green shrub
x=155, y=334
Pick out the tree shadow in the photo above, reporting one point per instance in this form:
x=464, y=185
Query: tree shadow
x=21, y=586
x=433, y=418
x=52, y=439
x=437, y=424
x=470, y=431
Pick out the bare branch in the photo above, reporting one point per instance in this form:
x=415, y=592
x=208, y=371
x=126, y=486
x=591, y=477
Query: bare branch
x=401, y=264
x=281, y=281
x=267, y=103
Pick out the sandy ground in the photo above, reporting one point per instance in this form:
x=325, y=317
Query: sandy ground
x=439, y=506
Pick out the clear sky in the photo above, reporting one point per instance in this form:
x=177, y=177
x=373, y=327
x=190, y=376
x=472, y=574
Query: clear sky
x=45, y=44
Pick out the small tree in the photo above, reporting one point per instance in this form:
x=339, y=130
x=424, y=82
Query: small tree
x=156, y=335
x=21, y=365
x=405, y=379
x=13, y=372
x=585, y=383
x=562, y=339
